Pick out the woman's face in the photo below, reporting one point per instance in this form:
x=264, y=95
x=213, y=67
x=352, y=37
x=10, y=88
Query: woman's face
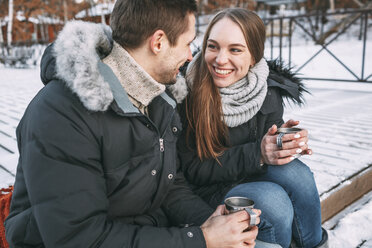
x=227, y=56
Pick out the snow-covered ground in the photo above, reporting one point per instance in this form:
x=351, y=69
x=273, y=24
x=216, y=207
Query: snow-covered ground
x=333, y=107
x=352, y=227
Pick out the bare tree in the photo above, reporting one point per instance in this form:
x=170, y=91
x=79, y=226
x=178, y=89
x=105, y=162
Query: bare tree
x=65, y=11
x=10, y=23
x=332, y=5
x=1, y=36
x=3, y=11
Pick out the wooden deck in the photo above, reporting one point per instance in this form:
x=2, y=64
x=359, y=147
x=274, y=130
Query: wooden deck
x=338, y=121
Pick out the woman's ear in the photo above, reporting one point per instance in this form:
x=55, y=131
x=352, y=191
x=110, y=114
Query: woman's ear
x=252, y=62
x=157, y=41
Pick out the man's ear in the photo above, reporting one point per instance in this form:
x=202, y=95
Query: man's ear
x=158, y=41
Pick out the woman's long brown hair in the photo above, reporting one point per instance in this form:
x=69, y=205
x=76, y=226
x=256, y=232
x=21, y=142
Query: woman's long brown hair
x=203, y=105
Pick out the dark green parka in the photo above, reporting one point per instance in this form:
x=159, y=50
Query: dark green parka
x=93, y=171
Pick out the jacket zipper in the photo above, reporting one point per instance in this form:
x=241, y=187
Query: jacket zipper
x=161, y=142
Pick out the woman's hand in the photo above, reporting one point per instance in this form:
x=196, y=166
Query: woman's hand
x=294, y=143
x=303, y=134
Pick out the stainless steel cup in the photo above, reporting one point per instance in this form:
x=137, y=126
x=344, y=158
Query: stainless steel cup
x=236, y=203
x=286, y=130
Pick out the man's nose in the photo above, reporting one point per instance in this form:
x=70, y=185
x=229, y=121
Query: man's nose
x=189, y=55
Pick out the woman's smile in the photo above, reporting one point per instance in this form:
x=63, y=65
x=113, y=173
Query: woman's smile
x=222, y=72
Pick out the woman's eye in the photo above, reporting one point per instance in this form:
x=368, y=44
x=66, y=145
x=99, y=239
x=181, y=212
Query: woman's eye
x=236, y=50
x=211, y=46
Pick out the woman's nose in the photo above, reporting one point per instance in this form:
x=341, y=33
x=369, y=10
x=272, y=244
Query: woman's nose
x=221, y=58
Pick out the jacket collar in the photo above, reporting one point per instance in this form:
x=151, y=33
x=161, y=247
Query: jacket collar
x=137, y=82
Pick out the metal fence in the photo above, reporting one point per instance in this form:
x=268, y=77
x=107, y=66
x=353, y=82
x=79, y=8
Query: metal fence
x=22, y=55
x=280, y=31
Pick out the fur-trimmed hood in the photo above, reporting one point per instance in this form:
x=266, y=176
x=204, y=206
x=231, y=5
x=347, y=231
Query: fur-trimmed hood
x=283, y=77
x=74, y=58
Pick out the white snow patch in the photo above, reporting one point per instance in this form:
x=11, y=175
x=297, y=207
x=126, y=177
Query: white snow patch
x=354, y=229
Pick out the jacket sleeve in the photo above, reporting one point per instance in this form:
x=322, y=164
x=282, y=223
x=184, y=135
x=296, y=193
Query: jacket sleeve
x=273, y=109
x=236, y=163
x=182, y=206
x=60, y=159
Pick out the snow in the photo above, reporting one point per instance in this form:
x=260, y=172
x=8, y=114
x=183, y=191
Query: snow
x=353, y=229
x=18, y=87
x=342, y=136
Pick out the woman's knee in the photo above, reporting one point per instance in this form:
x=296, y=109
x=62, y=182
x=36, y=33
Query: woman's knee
x=298, y=171
x=294, y=176
x=276, y=206
x=277, y=210
x=270, y=198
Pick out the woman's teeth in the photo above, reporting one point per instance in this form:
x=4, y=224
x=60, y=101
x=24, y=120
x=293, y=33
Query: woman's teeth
x=223, y=72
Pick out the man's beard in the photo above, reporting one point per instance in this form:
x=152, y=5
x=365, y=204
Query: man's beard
x=170, y=82
x=169, y=79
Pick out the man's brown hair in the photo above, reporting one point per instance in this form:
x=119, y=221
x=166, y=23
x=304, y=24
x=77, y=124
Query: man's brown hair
x=133, y=21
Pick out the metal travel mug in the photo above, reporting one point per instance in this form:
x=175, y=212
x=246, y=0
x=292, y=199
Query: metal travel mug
x=236, y=203
x=286, y=130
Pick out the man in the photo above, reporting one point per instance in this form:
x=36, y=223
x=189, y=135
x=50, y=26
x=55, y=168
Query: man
x=98, y=164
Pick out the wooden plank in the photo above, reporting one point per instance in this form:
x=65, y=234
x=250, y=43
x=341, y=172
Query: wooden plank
x=9, y=163
x=8, y=143
x=346, y=193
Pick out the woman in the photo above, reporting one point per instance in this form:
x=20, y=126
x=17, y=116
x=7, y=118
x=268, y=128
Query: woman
x=231, y=115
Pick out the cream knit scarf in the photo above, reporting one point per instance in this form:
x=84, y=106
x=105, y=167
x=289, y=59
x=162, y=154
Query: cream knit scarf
x=243, y=99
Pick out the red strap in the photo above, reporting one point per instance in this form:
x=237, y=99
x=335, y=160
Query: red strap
x=5, y=198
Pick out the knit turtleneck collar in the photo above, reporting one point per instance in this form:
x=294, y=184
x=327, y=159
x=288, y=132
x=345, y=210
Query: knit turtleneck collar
x=136, y=81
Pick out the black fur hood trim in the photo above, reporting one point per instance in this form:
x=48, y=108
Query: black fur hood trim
x=283, y=77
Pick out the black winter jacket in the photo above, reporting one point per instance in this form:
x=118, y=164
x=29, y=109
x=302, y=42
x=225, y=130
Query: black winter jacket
x=241, y=161
x=90, y=177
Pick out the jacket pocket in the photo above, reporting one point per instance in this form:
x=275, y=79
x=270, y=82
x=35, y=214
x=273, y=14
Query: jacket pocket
x=131, y=186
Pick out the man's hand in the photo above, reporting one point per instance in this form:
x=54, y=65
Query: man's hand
x=228, y=230
x=294, y=143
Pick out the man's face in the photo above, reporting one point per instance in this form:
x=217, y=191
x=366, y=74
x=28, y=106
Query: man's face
x=175, y=56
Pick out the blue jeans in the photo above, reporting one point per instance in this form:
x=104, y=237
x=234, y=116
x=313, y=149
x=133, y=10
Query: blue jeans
x=289, y=200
